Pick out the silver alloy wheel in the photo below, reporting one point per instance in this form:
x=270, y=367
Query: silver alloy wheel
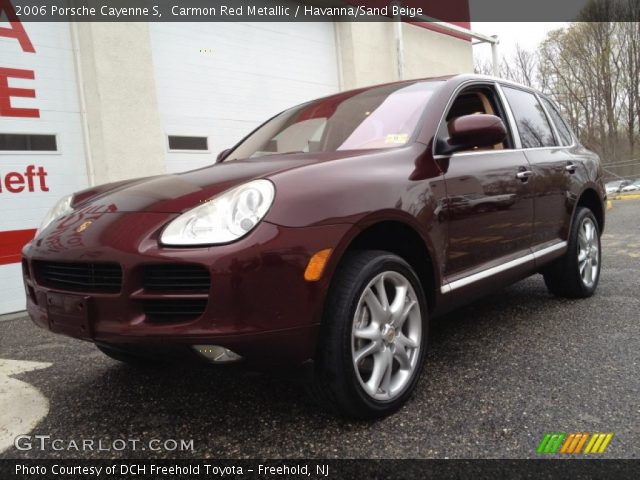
x=386, y=336
x=588, y=252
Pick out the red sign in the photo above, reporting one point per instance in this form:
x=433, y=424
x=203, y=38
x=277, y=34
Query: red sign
x=11, y=244
x=17, y=32
x=6, y=92
x=17, y=182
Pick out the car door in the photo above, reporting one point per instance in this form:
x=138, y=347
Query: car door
x=488, y=193
x=551, y=161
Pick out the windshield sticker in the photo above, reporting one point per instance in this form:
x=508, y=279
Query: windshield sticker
x=397, y=138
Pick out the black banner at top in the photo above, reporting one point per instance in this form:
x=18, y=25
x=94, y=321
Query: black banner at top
x=459, y=11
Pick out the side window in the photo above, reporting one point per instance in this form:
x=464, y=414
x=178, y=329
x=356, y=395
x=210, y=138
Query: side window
x=531, y=120
x=558, y=121
x=474, y=100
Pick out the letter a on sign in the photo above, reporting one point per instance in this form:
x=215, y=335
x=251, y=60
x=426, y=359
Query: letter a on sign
x=15, y=30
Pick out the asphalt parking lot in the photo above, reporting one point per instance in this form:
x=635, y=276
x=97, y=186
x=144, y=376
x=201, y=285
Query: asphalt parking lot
x=500, y=374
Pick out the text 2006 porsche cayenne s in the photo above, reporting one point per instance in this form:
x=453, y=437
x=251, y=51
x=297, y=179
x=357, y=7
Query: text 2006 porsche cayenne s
x=329, y=236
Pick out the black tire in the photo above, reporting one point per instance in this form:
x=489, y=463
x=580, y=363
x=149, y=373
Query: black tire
x=563, y=277
x=336, y=386
x=130, y=358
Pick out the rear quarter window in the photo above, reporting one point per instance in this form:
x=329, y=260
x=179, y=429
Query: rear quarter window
x=558, y=121
x=533, y=125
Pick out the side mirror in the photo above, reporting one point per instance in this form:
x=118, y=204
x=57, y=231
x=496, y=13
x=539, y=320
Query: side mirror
x=473, y=131
x=222, y=154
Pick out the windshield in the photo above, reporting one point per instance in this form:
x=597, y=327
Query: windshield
x=379, y=117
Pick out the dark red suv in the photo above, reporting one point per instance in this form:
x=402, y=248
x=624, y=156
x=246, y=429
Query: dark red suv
x=329, y=236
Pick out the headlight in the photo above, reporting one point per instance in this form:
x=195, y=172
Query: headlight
x=223, y=219
x=60, y=209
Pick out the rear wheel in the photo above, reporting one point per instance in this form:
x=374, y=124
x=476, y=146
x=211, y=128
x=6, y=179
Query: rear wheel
x=576, y=274
x=373, y=337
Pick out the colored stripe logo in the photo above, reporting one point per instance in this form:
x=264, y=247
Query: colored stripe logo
x=573, y=443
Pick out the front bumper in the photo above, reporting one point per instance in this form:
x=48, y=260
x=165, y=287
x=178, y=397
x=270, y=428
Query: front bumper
x=259, y=304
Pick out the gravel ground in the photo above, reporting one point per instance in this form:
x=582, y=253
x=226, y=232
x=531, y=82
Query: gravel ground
x=499, y=375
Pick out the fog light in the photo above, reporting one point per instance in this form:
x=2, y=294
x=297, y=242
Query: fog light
x=217, y=354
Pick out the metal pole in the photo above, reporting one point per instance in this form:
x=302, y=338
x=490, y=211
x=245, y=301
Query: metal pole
x=455, y=28
x=397, y=29
x=450, y=27
x=495, y=57
x=86, y=137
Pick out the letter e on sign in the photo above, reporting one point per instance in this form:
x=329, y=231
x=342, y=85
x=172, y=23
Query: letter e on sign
x=6, y=92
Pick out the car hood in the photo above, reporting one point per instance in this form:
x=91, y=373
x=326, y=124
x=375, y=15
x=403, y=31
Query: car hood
x=176, y=193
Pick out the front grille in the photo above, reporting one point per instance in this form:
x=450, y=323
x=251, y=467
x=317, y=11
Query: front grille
x=79, y=277
x=176, y=278
x=25, y=268
x=174, y=310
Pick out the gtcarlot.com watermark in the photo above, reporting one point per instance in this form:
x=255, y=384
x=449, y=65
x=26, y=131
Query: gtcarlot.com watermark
x=47, y=443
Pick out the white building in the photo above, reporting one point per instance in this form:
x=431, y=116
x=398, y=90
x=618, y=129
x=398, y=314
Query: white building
x=89, y=103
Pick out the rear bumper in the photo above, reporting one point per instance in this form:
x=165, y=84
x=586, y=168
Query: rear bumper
x=259, y=304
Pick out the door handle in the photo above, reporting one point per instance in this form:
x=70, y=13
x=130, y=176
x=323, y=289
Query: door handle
x=571, y=168
x=524, y=175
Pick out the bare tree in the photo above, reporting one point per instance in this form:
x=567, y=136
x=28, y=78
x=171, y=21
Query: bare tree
x=521, y=67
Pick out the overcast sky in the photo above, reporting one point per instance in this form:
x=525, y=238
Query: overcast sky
x=527, y=35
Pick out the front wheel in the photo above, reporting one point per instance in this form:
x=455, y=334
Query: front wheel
x=373, y=338
x=576, y=274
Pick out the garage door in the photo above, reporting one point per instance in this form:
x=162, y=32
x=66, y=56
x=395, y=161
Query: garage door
x=216, y=82
x=41, y=148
